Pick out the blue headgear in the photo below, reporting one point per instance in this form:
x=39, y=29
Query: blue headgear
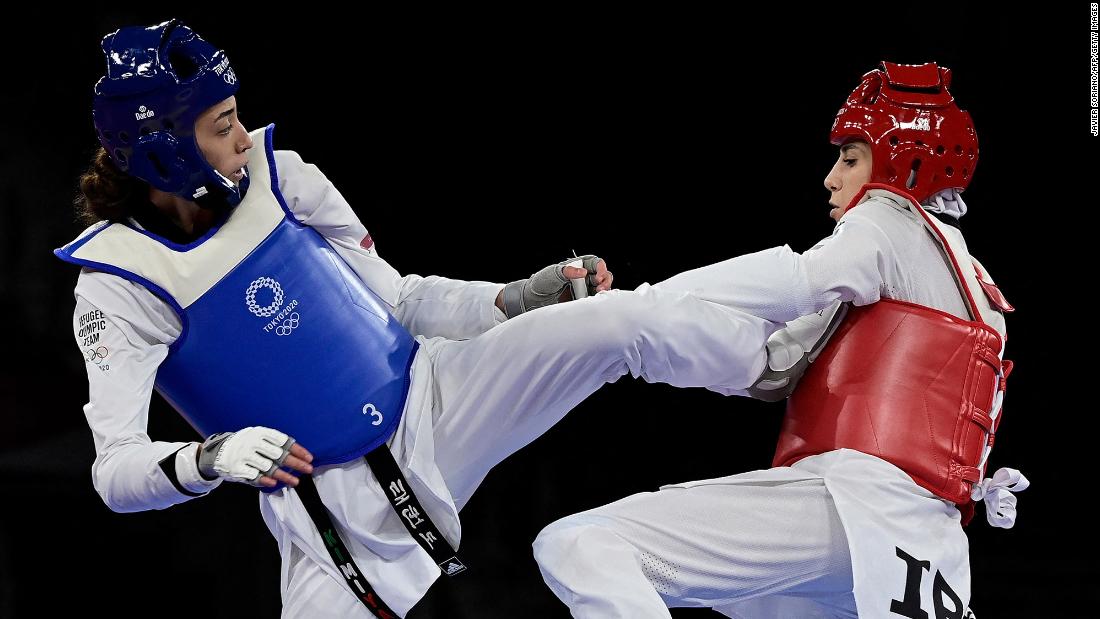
x=159, y=80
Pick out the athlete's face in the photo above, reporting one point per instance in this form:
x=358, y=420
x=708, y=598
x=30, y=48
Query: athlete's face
x=223, y=140
x=850, y=173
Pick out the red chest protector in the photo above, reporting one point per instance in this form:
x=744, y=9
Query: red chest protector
x=910, y=384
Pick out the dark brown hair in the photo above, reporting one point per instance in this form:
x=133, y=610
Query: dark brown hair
x=107, y=193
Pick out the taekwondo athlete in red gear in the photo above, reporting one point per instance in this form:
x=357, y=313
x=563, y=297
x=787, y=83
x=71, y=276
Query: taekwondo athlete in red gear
x=893, y=358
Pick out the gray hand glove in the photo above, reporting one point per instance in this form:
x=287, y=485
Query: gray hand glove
x=545, y=287
x=244, y=456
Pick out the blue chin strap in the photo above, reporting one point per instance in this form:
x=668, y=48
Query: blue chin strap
x=159, y=80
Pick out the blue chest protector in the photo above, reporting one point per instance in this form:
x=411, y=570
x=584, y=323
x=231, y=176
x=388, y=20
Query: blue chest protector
x=278, y=331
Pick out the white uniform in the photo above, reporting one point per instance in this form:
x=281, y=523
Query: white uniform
x=820, y=538
x=481, y=388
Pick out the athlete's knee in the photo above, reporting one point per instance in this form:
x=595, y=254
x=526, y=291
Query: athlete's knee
x=573, y=541
x=647, y=333
x=553, y=543
x=628, y=319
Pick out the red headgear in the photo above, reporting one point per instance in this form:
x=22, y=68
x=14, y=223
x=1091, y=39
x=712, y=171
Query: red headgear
x=921, y=142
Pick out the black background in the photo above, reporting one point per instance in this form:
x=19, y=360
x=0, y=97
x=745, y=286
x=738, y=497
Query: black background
x=483, y=144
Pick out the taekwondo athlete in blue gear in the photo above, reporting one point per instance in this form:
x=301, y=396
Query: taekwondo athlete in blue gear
x=273, y=317
x=290, y=297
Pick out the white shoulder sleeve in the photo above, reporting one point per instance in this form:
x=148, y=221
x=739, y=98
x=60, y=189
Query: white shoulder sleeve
x=430, y=306
x=123, y=332
x=780, y=285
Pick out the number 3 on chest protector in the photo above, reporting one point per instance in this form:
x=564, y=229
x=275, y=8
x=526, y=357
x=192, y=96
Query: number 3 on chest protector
x=369, y=409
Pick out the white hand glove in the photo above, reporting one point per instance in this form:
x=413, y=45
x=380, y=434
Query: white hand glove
x=244, y=456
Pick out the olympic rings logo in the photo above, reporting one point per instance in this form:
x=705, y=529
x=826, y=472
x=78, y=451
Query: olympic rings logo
x=267, y=310
x=92, y=354
x=289, y=325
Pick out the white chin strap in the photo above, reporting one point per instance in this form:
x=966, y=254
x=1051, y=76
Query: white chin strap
x=948, y=202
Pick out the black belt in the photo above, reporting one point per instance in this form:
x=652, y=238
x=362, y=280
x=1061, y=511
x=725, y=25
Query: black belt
x=409, y=511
